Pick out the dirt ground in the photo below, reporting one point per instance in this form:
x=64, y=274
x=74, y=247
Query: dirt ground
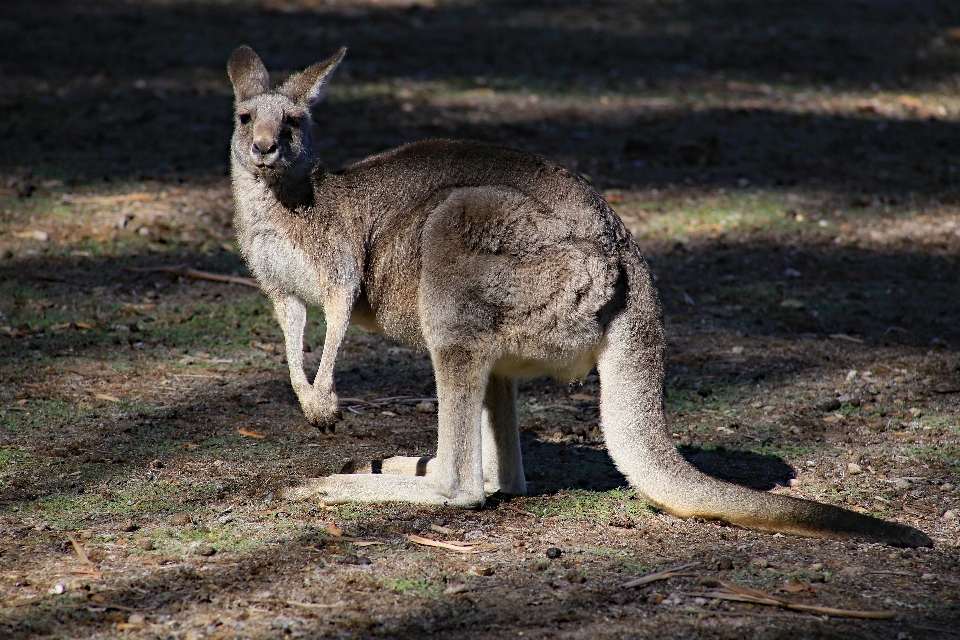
x=791, y=169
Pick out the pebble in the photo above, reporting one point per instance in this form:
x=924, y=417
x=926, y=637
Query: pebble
x=181, y=519
x=128, y=526
x=853, y=468
x=482, y=571
x=146, y=545
x=136, y=618
x=205, y=550
x=352, y=558
x=725, y=564
x=951, y=514
x=553, y=553
x=426, y=407
x=831, y=404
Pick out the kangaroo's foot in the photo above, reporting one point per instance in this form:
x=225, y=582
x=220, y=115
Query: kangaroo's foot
x=340, y=488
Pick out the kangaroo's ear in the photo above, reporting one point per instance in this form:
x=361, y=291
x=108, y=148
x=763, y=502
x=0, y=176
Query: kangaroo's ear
x=247, y=73
x=306, y=87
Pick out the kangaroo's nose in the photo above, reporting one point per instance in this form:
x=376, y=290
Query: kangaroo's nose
x=264, y=151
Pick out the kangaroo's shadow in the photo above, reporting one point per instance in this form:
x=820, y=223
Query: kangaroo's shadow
x=552, y=467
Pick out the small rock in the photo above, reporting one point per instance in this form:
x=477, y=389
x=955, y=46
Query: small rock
x=951, y=514
x=831, y=404
x=225, y=519
x=205, y=550
x=58, y=589
x=454, y=589
x=574, y=576
x=736, y=350
x=146, y=545
x=352, y=558
x=136, y=618
x=725, y=564
x=902, y=483
x=853, y=468
x=947, y=486
x=128, y=526
x=759, y=563
x=482, y=571
x=847, y=398
x=656, y=598
x=426, y=407
x=180, y=519
x=928, y=577
x=916, y=413
x=553, y=553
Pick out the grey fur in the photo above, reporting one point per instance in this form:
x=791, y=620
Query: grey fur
x=503, y=265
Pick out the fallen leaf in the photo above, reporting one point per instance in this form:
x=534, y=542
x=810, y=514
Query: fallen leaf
x=251, y=434
x=334, y=530
x=104, y=396
x=450, y=546
x=189, y=446
x=794, y=585
x=583, y=397
x=481, y=571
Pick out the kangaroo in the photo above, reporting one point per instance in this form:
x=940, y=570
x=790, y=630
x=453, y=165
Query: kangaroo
x=503, y=266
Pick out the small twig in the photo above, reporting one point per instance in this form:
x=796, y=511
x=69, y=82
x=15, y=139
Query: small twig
x=315, y=605
x=79, y=549
x=672, y=572
x=519, y=510
x=198, y=275
x=738, y=593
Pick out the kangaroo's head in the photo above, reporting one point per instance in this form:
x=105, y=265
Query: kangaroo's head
x=272, y=129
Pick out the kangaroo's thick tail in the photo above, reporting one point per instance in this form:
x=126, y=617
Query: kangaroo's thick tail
x=631, y=405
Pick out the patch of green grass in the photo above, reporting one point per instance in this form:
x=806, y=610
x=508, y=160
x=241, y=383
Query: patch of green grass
x=414, y=586
x=580, y=504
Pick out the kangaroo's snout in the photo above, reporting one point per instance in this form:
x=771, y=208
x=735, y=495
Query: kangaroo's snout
x=264, y=151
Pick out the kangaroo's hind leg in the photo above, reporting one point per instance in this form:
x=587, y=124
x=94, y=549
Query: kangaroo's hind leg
x=500, y=435
x=502, y=462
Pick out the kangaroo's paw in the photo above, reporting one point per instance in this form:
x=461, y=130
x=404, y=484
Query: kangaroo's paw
x=322, y=409
x=340, y=488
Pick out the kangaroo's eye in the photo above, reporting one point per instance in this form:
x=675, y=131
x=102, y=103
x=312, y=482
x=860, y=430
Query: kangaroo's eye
x=244, y=118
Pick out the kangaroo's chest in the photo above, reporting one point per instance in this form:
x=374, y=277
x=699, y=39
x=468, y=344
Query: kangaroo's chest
x=280, y=264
